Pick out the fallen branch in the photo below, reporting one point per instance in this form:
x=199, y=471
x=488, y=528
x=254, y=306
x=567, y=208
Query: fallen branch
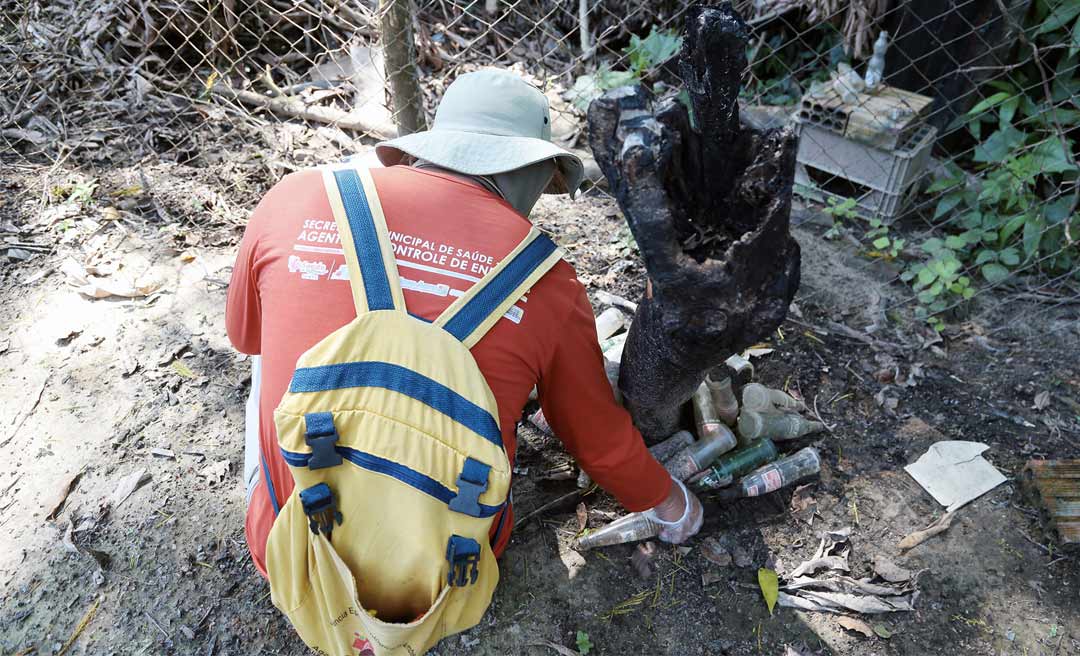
x=294, y=108
x=554, y=502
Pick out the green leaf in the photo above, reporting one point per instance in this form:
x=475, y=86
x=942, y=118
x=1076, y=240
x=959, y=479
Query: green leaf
x=954, y=242
x=998, y=145
x=182, y=369
x=994, y=273
x=1033, y=232
x=1009, y=256
x=584, y=645
x=987, y=103
x=926, y=276
x=883, y=632
x=1061, y=17
x=968, y=293
x=770, y=587
x=984, y=256
x=881, y=242
x=1008, y=110
x=1050, y=157
x=946, y=204
x=926, y=297
x=1074, y=45
x=932, y=245
x=943, y=184
x=1011, y=227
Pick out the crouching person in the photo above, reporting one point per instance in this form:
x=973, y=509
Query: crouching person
x=402, y=316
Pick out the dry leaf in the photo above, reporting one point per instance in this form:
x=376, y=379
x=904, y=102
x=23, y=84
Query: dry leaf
x=127, y=486
x=564, y=651
x=1042, y=400
x=56, y=502
x=215, y=472
x=714, y=552
x=643, y=558
x=582, y=516
x=890, y=571
x=857, y=625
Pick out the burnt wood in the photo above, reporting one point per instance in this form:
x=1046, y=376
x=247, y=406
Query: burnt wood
x=708, y=203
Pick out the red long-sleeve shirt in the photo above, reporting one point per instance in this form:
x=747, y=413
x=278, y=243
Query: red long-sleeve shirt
x=290, y=289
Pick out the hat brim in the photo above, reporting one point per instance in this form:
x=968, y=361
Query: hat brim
x=473, y=153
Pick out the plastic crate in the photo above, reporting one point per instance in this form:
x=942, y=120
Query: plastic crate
x=880, y=181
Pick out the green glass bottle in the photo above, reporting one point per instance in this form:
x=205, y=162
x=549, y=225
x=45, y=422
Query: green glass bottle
x=729, y=466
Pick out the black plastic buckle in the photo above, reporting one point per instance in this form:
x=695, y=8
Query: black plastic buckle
x=321, y=435
x=463, y=555
x=321, y=509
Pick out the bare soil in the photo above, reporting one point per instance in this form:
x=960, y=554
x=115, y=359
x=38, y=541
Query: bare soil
x=166, y=571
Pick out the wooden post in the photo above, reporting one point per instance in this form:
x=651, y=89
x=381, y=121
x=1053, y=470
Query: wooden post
x=395, y=24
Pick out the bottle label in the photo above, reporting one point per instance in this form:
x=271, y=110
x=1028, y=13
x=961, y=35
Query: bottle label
x=773, y=479
x=753, y=490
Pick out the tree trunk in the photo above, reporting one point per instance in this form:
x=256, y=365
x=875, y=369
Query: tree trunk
x=708, y=204
x=395, y=24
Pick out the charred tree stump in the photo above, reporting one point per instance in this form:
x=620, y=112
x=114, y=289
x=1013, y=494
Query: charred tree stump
x=708, y=203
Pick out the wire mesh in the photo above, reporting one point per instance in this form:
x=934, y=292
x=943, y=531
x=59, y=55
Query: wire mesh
x=115, y=95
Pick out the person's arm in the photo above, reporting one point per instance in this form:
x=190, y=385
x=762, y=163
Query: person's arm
x=243, y=308
x=581, y=408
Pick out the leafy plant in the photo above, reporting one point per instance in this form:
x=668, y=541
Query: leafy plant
x=643, y=55
x=1016, y=209
x=884, y=243
x=839, y=210
x=584, y=645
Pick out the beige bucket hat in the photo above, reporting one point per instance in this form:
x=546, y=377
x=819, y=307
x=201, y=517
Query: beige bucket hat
x=489, y=121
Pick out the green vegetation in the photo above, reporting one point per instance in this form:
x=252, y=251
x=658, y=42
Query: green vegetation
x=644, y=56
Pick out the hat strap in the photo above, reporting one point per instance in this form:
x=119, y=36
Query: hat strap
x=365, y=240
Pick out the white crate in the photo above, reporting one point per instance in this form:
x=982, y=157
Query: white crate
x=881, y=181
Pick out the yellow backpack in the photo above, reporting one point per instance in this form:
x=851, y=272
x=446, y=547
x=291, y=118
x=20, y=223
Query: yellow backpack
x=392, y=437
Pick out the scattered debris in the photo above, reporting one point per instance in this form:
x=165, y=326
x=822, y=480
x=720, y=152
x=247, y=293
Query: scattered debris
x=28, y=412
x=563, y=651
x=913, y=540
x=836, y=592
x=54, y=504
x=215, y=472
x=855, y=624
x=954, y=473
x=127, y=486
x=182, y=369
x=890, y=571
x=890, y=403
x=803, y=504
x=643, y=558
x=1042, y=400
x=1057, y=485
x=618, y=301
x=80, y=627
x=573, y=561
x=582, y=516
x=104, y=287
x=832, y=554
x=714, y=552
x=163, y=453
x=742, y=557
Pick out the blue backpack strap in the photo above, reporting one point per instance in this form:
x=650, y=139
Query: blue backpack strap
x=364, y=238
x=473, y=314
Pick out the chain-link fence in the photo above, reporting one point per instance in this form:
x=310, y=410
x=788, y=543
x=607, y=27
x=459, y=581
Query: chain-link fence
x=958, y=169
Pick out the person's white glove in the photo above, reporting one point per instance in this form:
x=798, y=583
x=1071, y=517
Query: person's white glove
x=680, y=515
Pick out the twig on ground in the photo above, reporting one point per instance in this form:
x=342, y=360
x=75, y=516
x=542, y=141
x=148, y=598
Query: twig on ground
x=817, y=415
x=30, y=411
x=549, y=504
x=297, y=109
x=159, y=628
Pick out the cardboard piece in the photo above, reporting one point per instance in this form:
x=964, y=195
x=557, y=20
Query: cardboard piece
x=954, y=472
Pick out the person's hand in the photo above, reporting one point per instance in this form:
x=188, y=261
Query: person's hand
x=680, y=515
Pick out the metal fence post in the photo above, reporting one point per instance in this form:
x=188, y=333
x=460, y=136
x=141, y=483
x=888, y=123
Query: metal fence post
x=395, y=24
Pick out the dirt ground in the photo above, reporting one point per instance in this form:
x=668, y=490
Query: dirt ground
x=95, y=390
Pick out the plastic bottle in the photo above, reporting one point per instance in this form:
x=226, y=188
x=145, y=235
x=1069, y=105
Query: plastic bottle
x=672, y=445
x=723, y=398
x=726, y=468
x=774, y=425
x=802, y=464
x=716, y=440
x=632, y=527
x=608, y=323
x=756, y=396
